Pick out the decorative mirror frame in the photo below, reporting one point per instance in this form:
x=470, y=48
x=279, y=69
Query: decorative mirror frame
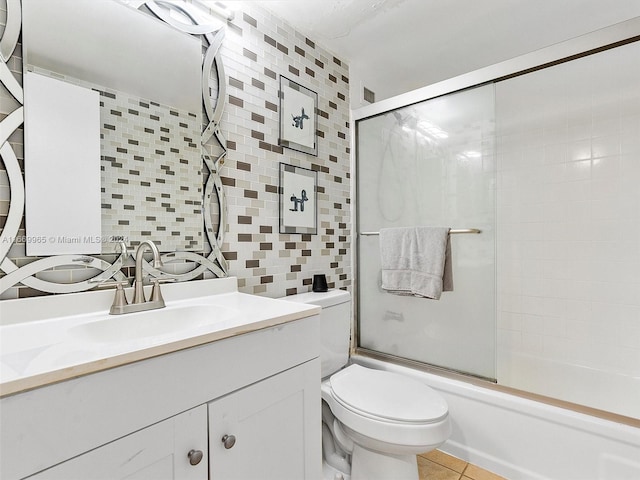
x=214, y=261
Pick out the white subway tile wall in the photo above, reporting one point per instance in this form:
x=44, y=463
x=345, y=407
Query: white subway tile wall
x=568, y=232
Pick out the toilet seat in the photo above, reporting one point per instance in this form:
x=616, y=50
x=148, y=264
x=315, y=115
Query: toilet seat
x=371, y=412
x=387, y=397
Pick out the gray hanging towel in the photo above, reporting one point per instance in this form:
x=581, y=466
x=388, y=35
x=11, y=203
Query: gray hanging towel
x=416, y=261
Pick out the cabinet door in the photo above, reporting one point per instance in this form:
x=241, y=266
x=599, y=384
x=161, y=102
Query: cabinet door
x=158, y=452
x=276, y=426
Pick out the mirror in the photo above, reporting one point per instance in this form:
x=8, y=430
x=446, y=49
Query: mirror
x=147, y=76
x=62, y=142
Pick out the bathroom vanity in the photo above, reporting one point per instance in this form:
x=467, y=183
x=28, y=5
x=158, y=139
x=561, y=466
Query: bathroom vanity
x=236, y=396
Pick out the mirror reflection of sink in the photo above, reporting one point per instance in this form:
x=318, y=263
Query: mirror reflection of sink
x=152, y=323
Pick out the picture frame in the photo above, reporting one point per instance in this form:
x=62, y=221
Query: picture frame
x=298, y=200
x=298, y=117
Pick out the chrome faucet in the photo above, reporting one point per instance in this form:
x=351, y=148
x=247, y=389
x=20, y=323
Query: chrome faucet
x=140, y=303
x=138, y=295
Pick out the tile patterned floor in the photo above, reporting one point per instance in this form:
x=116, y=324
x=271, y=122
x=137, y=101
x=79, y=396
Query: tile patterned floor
x=437, y=465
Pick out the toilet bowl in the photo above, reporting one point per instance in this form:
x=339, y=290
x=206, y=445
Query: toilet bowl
x=384, y=420
x=374, y=422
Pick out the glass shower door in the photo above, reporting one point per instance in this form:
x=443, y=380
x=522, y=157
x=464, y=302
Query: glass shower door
x=431, y=164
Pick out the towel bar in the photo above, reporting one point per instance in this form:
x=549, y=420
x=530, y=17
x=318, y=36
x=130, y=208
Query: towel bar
x=456, y=231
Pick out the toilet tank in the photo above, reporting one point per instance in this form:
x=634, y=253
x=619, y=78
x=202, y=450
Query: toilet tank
x=335, y=326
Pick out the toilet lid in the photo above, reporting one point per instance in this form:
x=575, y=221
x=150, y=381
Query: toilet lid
x=387, y=395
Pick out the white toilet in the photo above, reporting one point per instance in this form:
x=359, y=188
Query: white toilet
x=374, y=422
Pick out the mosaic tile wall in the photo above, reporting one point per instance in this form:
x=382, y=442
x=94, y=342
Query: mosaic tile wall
x=151, y=173
x=257, y=49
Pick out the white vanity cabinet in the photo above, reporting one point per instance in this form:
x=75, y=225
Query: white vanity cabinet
x=262, y=431
x=258, y=432
x=141, y=420
x=164, y=451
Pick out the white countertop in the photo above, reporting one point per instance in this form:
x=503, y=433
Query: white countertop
x=49, y=339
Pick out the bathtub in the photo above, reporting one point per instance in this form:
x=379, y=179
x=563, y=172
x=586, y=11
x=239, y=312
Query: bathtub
x=522, y=439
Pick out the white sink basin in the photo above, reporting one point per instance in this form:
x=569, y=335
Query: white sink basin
x=52, y=338
x=151, y=323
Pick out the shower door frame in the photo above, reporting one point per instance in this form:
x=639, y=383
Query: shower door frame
x=604, y=39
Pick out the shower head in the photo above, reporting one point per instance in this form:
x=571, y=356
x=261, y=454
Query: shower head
x=405, y=121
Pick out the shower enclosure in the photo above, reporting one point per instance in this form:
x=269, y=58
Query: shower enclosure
x=432, y=163
x=542, y=156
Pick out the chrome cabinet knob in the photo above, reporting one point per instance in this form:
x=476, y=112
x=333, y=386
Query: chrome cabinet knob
x=228, y=441
x=195, y=457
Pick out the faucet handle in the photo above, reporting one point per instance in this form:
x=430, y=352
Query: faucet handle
x=156, y=295
x=162, y=280
x=120, y=300
x=111, y=283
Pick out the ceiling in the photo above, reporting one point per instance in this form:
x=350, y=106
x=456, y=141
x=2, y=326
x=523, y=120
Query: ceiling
x=393, y=46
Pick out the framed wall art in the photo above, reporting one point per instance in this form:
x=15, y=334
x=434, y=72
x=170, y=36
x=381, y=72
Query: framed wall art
x=298, y=200
x=298, y=120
